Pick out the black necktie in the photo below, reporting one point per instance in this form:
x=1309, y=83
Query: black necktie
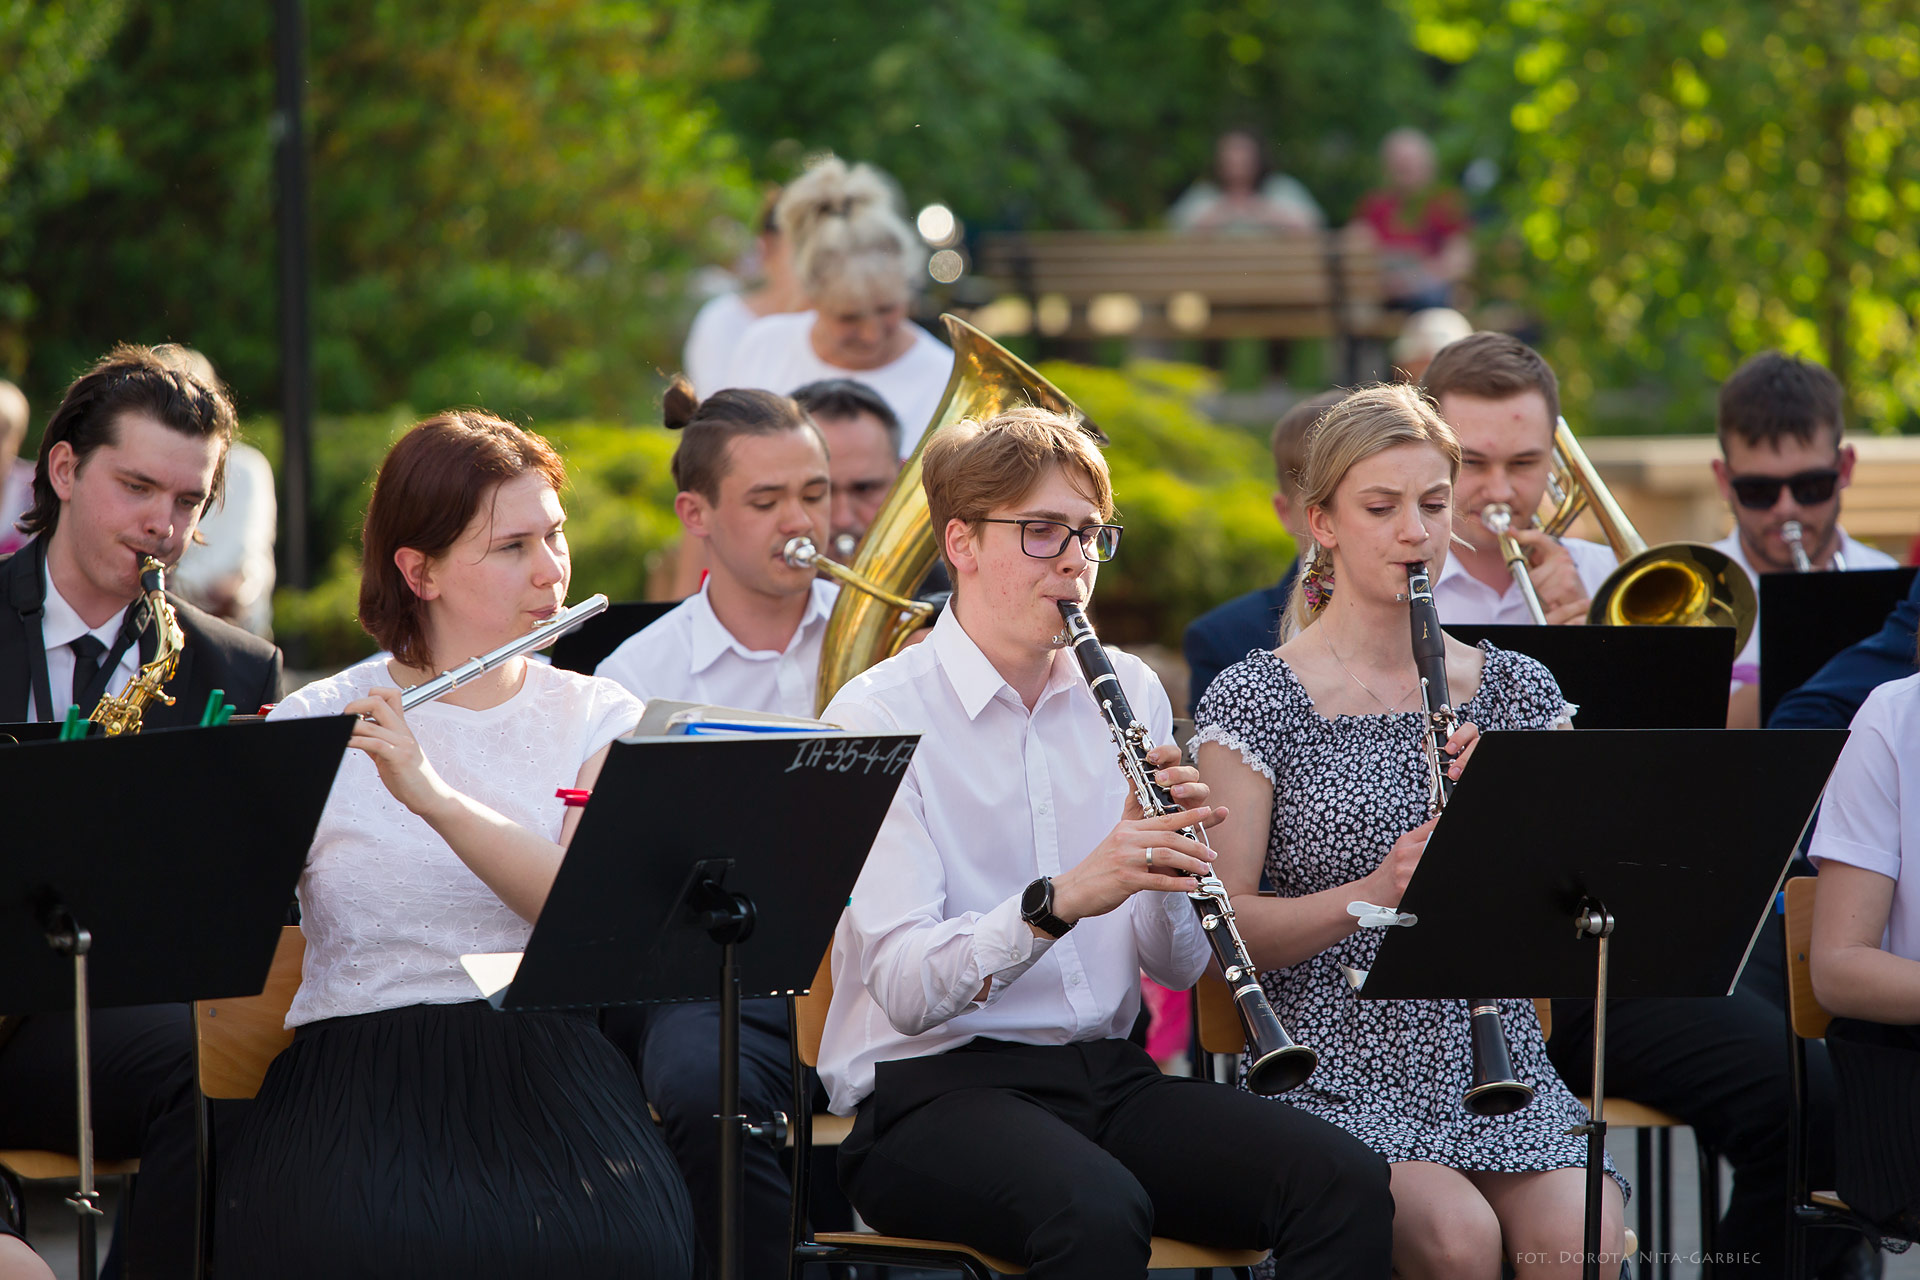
x=86, y=665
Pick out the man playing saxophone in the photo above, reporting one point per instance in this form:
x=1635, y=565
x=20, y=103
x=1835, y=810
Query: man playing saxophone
x=987, y=967
x=1502, y=400
x=128, y=463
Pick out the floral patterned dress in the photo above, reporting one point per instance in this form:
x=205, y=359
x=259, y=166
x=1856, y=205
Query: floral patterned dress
x=1391, y=1072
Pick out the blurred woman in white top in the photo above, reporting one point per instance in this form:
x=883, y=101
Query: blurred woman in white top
x=724, y=318
x=858, y=263
x=411, y=1129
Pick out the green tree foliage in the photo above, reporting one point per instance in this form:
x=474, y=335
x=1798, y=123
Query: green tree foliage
x=505, y=197
x=1062, y=113
x=1694, y=183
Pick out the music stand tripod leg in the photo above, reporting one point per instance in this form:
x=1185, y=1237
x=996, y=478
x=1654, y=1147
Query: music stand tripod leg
x=1593, y=920
x=65, y=936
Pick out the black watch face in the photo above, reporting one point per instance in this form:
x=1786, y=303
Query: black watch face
x=1034, y=901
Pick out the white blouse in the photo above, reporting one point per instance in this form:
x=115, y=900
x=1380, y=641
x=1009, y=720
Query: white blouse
x=1870, y=817
x=776, y=354
x=387, y=907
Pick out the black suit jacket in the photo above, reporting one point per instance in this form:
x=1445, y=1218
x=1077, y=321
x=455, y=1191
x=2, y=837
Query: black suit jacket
x=1217, y=639
x=218, y=655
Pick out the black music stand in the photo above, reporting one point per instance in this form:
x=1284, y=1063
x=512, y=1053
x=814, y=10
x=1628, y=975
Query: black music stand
x=1628, y=677
x=625, y=925
x=1807, y=618
x=113, y=893
x=586, y=646
x=1687, y=870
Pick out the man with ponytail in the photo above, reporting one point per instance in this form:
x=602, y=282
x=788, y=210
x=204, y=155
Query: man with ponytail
x=751, y=468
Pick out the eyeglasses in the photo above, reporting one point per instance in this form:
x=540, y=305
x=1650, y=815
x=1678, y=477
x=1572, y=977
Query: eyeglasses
x=1046, y=539
x=1810, y=488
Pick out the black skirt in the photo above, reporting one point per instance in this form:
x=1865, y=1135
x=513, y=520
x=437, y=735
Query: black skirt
x=1876, y=1069
x=450, y=1140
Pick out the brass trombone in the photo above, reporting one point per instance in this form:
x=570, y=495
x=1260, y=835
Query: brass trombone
x=1675, y=584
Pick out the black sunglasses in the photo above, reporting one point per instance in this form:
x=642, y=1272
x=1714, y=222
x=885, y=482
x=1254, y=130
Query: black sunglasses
x=1810, y=488
x=1046, y=539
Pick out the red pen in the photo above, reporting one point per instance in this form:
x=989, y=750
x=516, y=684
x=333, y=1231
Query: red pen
x=573, y=797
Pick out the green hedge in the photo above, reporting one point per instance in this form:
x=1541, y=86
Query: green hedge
x=1195, y=496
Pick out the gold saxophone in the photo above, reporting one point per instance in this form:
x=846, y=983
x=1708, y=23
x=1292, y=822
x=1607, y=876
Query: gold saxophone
x=122, y=714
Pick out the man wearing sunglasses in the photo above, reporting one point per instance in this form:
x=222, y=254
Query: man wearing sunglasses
x=1782, y=461
x=987, y=968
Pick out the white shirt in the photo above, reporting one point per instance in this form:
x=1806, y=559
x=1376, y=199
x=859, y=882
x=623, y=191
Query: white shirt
x=711, y=342
x=1856, y=555
x=60, y=626
x=1463, y=598
x=387, y=906
x=238, y=554
x=776, y=354
x=994, y=797
x=1870, y=817
x=688, y=655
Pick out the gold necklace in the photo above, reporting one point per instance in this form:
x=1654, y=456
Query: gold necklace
x=1390, y=707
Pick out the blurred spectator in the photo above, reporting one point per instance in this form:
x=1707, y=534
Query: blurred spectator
x=721, y=321
x=229, y=570
x=1419, y=224
x=863, y=454
x=1244, y=195
x=857, y=262
x=16, y=472
x=1422, y=337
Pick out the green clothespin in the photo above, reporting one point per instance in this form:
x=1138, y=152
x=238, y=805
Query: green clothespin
x=74, y=727
x=211, y=716
x=226, y=714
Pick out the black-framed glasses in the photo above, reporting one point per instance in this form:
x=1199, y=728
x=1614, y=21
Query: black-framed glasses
x=1810, y=488
x=1046, y=539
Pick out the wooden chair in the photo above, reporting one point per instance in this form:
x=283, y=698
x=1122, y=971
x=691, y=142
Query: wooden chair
x=27, y=1165
x=234, y=1041
x=809, y=1020
x=1807, y=1021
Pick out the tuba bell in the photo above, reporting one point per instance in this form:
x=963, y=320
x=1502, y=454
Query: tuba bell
x=868, y=625
x=1676, y=584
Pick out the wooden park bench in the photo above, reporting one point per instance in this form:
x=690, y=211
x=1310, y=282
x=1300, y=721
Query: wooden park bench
x=1160, y=285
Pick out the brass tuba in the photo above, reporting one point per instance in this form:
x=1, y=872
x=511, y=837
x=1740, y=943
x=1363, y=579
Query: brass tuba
x=122, y=714
x=901, y=545
x=1676, y=584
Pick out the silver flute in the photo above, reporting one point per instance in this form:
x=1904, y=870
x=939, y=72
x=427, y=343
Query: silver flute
x=1275, y=1063
x=538, y=638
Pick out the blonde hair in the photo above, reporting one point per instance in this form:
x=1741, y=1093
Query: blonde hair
x=848, y=237
x=971, y=467
x=1371, y=420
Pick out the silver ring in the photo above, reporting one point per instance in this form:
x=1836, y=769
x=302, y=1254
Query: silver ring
x=1149, y=859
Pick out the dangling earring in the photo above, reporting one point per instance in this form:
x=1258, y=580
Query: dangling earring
x=1316, y=584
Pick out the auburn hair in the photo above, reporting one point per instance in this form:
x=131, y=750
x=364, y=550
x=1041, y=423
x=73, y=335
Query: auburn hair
x=1492, y=366
x=971, y=467
x=428, y=491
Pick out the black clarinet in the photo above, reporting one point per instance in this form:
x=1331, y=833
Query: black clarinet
x=1493, y=1090
x=1275, y=1063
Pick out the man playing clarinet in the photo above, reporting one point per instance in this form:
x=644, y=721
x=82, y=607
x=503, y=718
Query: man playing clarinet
x=986, y=970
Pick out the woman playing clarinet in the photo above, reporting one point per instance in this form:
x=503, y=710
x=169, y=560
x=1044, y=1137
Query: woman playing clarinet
x=1317, y=750
x=410, y=1129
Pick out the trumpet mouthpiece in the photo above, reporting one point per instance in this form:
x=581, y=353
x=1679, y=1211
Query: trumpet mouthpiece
x=1497, y=517
x=800, y=552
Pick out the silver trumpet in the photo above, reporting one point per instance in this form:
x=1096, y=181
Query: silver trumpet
x=1796, y=540
x=538, y=638
x=1498, y=519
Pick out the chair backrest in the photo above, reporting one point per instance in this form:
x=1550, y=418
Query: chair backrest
x=1219, y=1021
x=810, y=1012
x=1809, y=1019
x=237, y=1038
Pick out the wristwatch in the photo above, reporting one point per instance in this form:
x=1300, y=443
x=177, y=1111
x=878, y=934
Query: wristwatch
x=1036, y=908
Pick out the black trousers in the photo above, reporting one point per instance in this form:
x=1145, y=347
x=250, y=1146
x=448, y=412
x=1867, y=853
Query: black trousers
x=1069, y=1158
x=143, y=1094
x=1721, y=1065
x=679, y=1049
